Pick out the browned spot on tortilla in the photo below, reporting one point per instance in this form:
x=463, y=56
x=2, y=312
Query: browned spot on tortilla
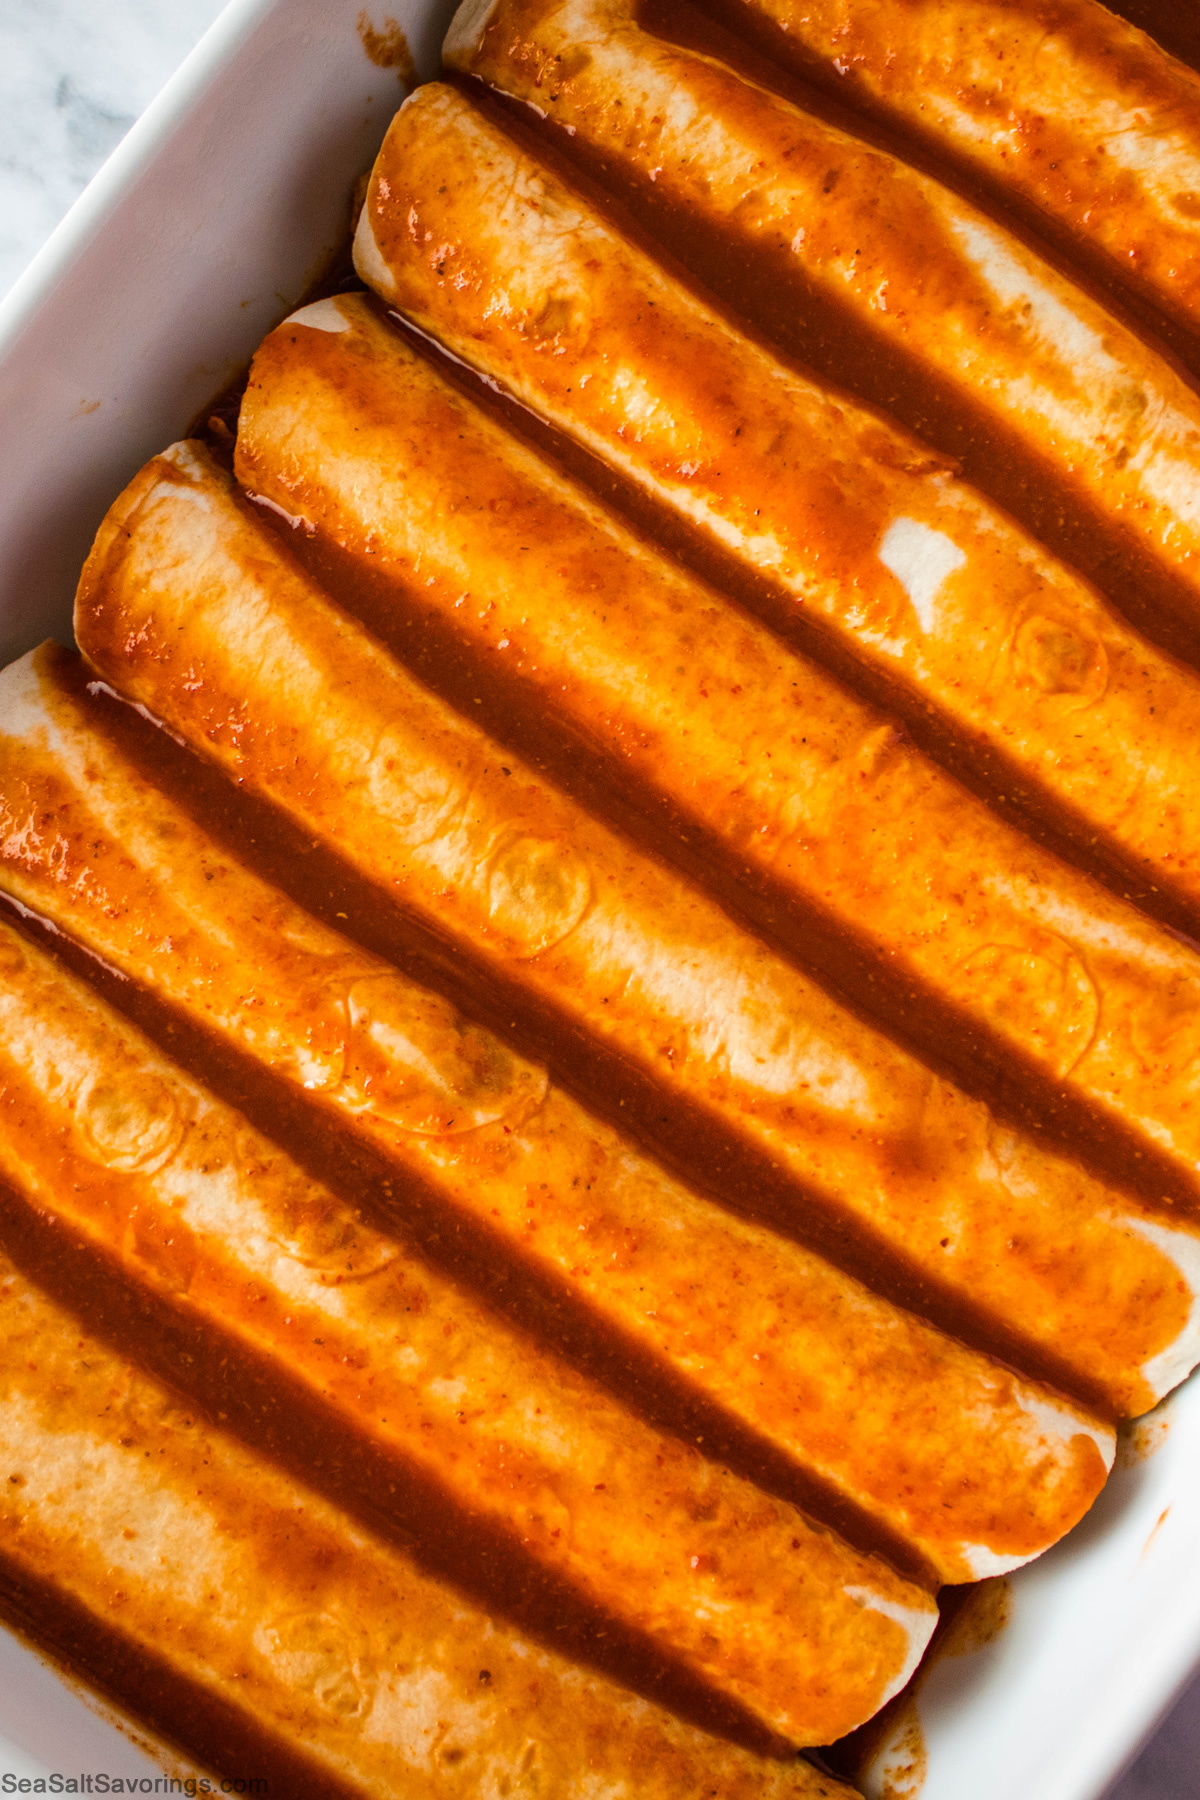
x=387, y=47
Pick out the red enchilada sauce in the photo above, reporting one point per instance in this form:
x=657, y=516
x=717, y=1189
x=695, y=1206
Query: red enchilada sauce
x=257, y=1403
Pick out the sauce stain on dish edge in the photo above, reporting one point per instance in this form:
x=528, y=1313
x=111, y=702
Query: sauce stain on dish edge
x=899, y=1774
x=1143, y=1438
x=888, y=1757
x=386, y=46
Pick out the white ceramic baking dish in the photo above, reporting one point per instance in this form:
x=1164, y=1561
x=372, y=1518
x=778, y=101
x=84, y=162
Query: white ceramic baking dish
x=207, y=223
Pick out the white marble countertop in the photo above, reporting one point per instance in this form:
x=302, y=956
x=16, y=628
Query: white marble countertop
x=74, y=75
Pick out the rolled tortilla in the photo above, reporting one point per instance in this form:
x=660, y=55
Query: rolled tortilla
x=193, y=609
x=105, y=1134
x=815, y=794
x=361, y=1673
x=1065, y=106
x=919, y=268
x=974, y=1468
x=932, y=588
